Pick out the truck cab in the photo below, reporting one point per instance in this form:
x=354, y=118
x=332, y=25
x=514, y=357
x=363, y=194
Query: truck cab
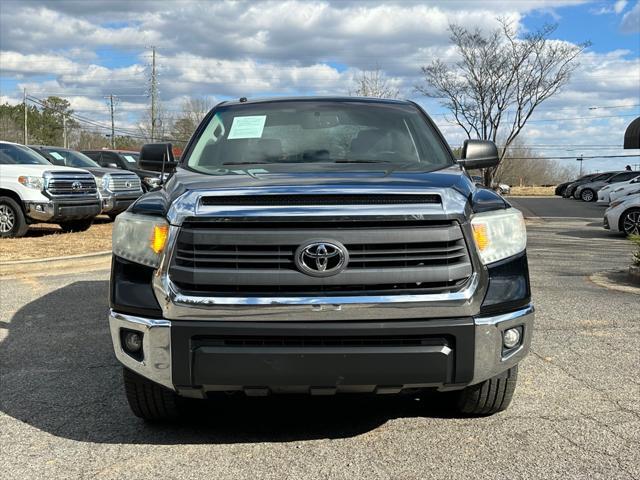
x=319, y=246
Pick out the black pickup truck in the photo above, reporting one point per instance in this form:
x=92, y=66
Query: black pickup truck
x=319, y=246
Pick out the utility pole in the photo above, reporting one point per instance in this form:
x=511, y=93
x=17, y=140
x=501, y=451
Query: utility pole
x=154, y=92
x=24, y=103
x=113, y=131
x=65, y=143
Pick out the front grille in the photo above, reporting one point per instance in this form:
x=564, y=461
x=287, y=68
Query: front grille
x=65, y=183
x=254, y=258
x=124, y=182
x=348, y=199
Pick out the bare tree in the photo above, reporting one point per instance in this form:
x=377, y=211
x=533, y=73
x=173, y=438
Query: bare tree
x=374, y=83
x=500, y=80
x=523, y=166
x=193, y=111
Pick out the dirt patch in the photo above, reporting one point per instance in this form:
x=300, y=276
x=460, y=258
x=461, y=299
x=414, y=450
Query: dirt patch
x=620, y=280
x=532, y=191
x=45, y=240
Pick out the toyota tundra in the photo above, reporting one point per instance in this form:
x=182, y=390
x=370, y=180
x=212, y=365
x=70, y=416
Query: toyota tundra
x=319, y=246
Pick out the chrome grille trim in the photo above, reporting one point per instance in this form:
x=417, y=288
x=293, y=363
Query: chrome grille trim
x=117, y=183
x=61, y=184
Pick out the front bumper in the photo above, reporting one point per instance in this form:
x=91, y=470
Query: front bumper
x=118, y=202
x=194, y=357
x=61, y=210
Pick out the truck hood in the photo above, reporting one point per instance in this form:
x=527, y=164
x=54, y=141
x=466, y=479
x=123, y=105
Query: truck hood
x=330, y=179
x=36, y=169
x=451, y=177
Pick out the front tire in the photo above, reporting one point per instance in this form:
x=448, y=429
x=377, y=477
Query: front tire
x=488, y=397
x=630, y=222
x=148, y=400
x=12, y=220
x=76, y=225
x=588, y=195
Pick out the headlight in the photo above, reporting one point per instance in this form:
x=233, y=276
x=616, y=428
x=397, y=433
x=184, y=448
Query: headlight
x=140, y=238
x=615, y=203
x=499, y=234
x=152, y=181
x=106, y=180
x=618, y=189
x=31, y=182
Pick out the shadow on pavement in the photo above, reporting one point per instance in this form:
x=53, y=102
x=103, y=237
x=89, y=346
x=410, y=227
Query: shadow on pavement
x=590, y=234
x=44, y=229
x=59, y=375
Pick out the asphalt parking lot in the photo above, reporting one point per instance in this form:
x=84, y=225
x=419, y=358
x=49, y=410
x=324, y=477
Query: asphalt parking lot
x=575, y=414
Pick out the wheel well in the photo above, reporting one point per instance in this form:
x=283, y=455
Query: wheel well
x=623, y=214
x=11, y=194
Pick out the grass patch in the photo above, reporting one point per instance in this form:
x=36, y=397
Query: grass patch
x=47, y=240
x=532, y=191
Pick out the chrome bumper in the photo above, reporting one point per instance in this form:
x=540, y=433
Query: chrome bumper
x=488, y=360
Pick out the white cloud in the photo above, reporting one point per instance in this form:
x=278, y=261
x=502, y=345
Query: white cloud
x=631, y=20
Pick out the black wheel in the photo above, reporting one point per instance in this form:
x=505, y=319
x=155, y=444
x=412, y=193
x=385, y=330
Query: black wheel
x=148, y=400
x=489, y=397
x=12, y=221
x=76, y=225
x=588, y=195
x=630, y=221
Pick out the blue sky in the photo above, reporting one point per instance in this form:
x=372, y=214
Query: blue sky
x=217, y=50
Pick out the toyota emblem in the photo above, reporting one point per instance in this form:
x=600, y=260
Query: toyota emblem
x=77, y=185
x=128, y=184
x=321, y=259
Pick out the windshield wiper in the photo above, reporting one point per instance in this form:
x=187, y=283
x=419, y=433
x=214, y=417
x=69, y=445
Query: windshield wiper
x=245, y=163
x=351, y=160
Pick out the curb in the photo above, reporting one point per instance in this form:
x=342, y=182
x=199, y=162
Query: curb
x=55, y=265
x=32, y=261
x=602, y=280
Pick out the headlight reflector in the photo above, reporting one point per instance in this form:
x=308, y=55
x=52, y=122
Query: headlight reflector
x=31, y=182
x=140, y=238
x=499, y=234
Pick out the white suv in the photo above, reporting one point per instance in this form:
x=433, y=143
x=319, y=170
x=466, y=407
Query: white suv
x=623, y=215
x=34, y=191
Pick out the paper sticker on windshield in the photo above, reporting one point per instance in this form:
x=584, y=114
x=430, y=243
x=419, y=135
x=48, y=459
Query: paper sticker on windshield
x=129, y=158
x=56, y=155
x=247, y=127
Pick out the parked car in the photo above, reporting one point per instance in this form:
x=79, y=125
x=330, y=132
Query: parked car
x=623, y=215
x=560, y=189
x=125, y=160
x=624, y=189
x=571, y=188
x=319, y=246
x=118, y=189
x=604, y=194
x=588, y=192
x=34, y=191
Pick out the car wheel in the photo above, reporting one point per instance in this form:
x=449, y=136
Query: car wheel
x=488, y=397
x=630, y=222
x=587, y=195
x=76, y=225
x=12, y=220
x=148, y=400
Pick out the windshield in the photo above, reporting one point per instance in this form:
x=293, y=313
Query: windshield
x=308, y=132
x=19, y=155
x=72, y=158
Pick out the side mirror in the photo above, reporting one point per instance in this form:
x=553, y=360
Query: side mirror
x=479, y=154
x=112, y=165
x=157, y=157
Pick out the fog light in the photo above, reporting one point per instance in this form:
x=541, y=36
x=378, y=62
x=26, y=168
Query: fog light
x=511, y=337
x=39, y=208
x=132, y=342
